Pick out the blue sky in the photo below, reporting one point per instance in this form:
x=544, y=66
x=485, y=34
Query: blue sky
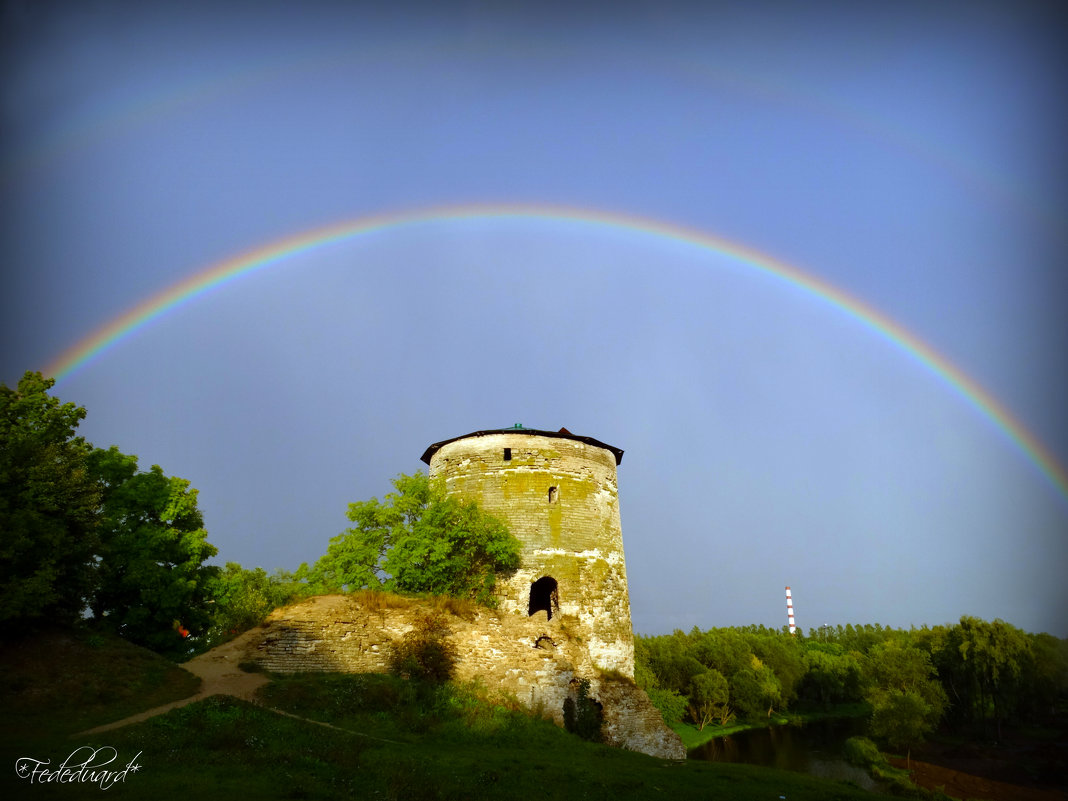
x=910, y=156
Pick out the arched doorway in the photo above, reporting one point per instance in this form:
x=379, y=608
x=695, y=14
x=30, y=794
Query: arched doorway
x=544, y=594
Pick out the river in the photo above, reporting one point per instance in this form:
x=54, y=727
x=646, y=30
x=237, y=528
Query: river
x=816, y=748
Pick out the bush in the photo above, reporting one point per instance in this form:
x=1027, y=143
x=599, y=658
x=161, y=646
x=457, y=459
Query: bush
x=671, y=704
x=863, y=753
x=583, y=715
x=425, y=652
x=371, y=600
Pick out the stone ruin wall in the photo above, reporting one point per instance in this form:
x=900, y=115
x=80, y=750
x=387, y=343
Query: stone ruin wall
x=503, y=651
x=575, y=538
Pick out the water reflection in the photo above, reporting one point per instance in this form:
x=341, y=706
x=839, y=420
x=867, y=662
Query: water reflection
x=816, y=748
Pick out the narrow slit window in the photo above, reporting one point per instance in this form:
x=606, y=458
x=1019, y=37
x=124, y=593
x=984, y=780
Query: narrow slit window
x=507, y=454
x=552, y=494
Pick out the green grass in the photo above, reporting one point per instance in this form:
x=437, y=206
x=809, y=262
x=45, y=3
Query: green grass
x=394, y=740
x=412, y=742
x=692, y=737
x=64, y=681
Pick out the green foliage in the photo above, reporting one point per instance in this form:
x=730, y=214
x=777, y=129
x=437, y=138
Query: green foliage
x=669, y=659
x=48, y=508
x=644, y=676
x=831, y=676
x=986, y=664
x=81, y=527
x=755, y=690
x=243, y=598
x=725, y=650
x=907, y=700
x=902, y=717
x=854, y=639
x=671, y=703
x=782, y=655
x=863, y=753
x=709, y=699
x=153, y=546
x=1045, y=677
x=980, y=672
x=419, y=541
x=425, y=653
x=583, y=715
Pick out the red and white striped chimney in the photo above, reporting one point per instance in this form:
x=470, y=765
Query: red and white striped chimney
x=790, y=611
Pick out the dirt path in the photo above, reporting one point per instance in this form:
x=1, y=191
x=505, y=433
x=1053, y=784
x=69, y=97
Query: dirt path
x=219, y=674
x=966, y=786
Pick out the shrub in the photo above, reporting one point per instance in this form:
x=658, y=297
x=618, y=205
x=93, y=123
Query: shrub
x=425, y=652
x=863, y=753
x=671, y=704
x=583, y=715
x=376, y=600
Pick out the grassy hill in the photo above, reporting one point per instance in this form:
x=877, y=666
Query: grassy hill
x=324, y=736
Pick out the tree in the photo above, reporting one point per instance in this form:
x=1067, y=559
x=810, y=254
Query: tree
x=1046, y=677
x=670, y=702
x=153, y=546
x=831, y=676
x=242, y=598
x=986, y=663
x=419, y=541
x=781, y=654
x=907, y=700
x=726, y=650
x=48, y=507
x=709, y=699
x=903, y=718
x=755, y=689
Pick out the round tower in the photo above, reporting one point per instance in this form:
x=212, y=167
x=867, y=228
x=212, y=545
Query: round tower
x=557, y=493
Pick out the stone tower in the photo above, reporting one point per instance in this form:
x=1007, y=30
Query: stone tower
x=557, y=493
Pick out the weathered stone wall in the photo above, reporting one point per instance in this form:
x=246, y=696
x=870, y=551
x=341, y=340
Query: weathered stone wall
x=559, y=498
x=522, y=656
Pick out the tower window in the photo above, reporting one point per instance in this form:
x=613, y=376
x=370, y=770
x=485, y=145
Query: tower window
x=544, y=594
x=507, y=454
x=553, y=494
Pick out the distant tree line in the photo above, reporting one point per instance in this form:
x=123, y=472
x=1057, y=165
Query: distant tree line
x=972, y=676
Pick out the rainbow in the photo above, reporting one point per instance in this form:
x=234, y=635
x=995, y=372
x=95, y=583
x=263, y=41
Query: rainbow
x=195, y=95
x=85, y=351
